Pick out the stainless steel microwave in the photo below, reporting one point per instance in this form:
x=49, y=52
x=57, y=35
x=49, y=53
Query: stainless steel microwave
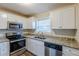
x=14, y=25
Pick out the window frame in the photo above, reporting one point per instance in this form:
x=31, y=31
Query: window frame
x=44, y=18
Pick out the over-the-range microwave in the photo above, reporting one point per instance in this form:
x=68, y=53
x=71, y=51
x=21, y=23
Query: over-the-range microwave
x=15, y=25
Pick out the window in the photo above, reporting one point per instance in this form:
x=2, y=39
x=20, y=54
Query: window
x=43, y=25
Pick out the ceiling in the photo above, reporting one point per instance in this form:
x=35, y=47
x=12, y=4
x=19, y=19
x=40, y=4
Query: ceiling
x=30, y=9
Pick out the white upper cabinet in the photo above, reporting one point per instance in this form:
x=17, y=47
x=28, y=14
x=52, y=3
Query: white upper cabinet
x=56, y=19
x=30, y=23
x=25, y=23
x=3, y=20
x=68, y=18
x=6, y=17
x=12, y=17
x=22, y=20
x=18, y=19
x=77, y=16
x=64, y=18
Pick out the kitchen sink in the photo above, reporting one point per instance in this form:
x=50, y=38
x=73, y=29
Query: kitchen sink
x=37, y=37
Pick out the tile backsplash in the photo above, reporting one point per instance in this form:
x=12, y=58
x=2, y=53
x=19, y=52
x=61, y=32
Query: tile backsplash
x=65, y=32
x=62, y=32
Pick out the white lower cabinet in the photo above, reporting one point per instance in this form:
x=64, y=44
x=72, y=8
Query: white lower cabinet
x=35, y=46
x=28, y=44
x=67, y=51
x=4, y=49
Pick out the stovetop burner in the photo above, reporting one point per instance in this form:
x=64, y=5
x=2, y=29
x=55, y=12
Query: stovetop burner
x=15, y=37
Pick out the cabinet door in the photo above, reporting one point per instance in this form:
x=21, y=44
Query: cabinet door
x=40, y=49
x=77, y=16
x=56, y=19
x=33, y=22
x=77, y=22
x=12, y=17
x=18, y=19
x=36, y=46
x=26, y=24
x=30, y=23
x=28, y=44
x=3, y=21
x=64, y=18
x=68, y=18
x=4, y=49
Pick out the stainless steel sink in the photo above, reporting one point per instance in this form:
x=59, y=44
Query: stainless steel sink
x=37, y=37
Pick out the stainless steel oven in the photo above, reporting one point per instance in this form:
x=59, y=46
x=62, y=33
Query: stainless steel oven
x=16, y=45
x=17, y=42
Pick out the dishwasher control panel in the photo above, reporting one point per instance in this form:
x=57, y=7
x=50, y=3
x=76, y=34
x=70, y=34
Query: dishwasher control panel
x=52, y=49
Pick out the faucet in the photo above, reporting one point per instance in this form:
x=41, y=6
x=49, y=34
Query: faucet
x=42, y=35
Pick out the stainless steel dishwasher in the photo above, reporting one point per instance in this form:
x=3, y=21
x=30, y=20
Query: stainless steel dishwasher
x=52, y=49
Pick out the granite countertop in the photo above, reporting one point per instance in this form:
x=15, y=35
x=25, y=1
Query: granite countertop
x=60, y=41
x=64, y=42
x=3, y=39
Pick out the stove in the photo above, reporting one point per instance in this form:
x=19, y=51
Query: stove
x=17, y=42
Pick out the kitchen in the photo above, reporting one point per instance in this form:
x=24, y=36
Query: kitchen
x=43, y=29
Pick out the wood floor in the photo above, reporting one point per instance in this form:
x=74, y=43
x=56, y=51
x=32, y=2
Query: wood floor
x=22, y=53
x=26, y=53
